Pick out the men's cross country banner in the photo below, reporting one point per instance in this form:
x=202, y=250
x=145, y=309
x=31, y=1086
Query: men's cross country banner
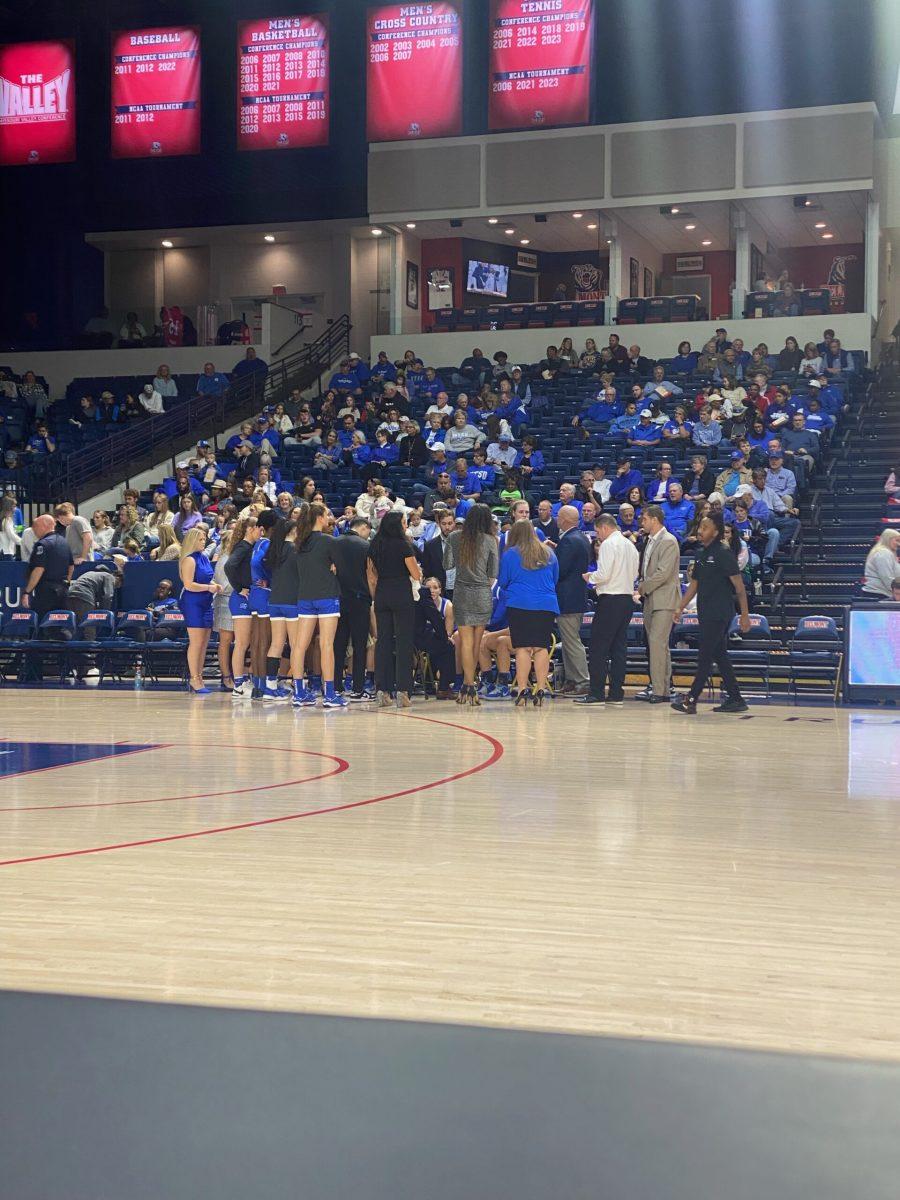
x=37, y=103
x=156, y=92
x=414, y=72
x=283, y=83
x=540, y=64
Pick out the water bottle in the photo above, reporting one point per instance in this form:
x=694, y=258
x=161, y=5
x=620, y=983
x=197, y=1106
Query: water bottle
x=138, y=675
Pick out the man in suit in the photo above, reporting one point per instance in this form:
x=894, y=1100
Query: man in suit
x=433, y=554
x=573, y=552
x=660, y=590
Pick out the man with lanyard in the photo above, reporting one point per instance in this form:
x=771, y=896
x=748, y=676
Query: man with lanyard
x=715, y=581
x=613, y=580
x=51, y=566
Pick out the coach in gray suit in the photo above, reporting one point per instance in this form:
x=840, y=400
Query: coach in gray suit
x=660, y=589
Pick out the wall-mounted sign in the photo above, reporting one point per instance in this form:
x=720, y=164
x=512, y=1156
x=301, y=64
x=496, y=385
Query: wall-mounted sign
x=689, y=262
x=524, y=258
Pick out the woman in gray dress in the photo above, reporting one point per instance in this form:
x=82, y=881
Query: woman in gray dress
x=472, y=551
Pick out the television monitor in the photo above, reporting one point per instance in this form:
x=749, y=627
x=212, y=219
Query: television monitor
x=486, y=278
x=872, y=651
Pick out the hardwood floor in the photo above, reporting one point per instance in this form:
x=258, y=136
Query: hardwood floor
x=630, y=872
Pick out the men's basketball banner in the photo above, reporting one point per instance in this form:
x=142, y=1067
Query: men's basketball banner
x=414, y=71
x=37, y=103
x=283, y=83
x=540, y=64
x=156, y=92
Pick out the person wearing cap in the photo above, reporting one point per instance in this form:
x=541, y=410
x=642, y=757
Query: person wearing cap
x=646, y=432
x=780, y=479
x=359, y=368
x=502, y=454
x=831, y=397
x=734, y=476
x=343, y=380
x=109, y=412
x=626, y=477
x=211, y=382
x=250, y=364
x=707, y=432
x=383, y=370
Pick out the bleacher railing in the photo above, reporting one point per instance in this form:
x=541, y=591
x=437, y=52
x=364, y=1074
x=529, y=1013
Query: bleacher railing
x=66, y=476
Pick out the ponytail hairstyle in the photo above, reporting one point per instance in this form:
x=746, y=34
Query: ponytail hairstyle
x=306, y=525
x=279, y=536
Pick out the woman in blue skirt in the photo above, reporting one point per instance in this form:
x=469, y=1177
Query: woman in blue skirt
x=196, y=600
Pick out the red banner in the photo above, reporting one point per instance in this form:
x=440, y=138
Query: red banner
x=414, y=72
x=156, y=92
x=540, y=63
x=283, y=83
x=37, y=103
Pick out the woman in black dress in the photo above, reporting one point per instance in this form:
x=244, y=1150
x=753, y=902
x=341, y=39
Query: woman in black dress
x=393, y=573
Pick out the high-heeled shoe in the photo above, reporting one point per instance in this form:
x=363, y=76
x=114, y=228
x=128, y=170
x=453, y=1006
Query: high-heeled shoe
x=537, y=698
x=226, y=683
x=463, y=694
x=522, y=697
x=473, y=698
x=202, y=691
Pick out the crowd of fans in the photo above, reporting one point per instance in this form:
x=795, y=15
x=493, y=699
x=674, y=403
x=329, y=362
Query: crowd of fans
x=387, y=439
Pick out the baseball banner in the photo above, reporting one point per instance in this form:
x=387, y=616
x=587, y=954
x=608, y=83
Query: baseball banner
x=283, y=83
x=156, y=92
x=540, y=63
x=37, y=103
x=414, y=71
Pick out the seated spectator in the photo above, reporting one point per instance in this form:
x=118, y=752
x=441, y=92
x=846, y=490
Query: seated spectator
x=758, y=365
x=461, y=437
x=787, y=304
x=617, y=350
x=464, y=484
x=838, y=362
x=882, y=570
x=40, y=444
x=590, y=356
x=550, y=367
x=512, y=489
x=102, y=530
x=700, y=482
x=812, y=363
x=502, y=453
x=150, y=401
x=529, y=460
x=601, y=487
x=626, y=422
x=306, y=431
x=343, y=381
x=645, y=433
x=444, y=493
x=678, y=511
x=707, y=432
x=250, y=364
x=678, y=428
x=708, y=359
x=100, y=328
x=384, y=453
x=345, y=432
x=782, y=481
x=383, y=370
x=773, y=511
x=418, y=530
x=661, y=387
x=734, y=476
x=431, y=384
x=437, y=462
x=568, y=353
x=164, y=384
x=780, y=411
x=241, y=438
x=265, y=438
x=598, y=413
x=827, y=339
x=798, y=442
x=628, y=523
x=627, y=477
x=637, y=501
x=211, y=382
x=187, y=516
x=132, y=333
x=482, y=470
x=728, y=366
x=658, y=488
x=161, y=514
x=330, y=454
x=33, y=395
x=585, y=489
x=169, y=547
x=817, y=421
x=440, y=406
x=685, y=361
x=360, y=369
x=545, y=525
x=567, y=495
x=636, y=363
x=475, y=369
x=892, y=488
x=411, y=446
x=128, y=528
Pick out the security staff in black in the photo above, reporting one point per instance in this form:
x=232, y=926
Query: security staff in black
x=716, y=582
x=350, y=552
x=51, y=566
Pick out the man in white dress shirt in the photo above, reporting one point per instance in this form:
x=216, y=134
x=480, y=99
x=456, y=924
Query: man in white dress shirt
x=613, y=581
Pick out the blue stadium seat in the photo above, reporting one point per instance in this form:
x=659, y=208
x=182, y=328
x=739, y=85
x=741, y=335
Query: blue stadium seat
x=517, y=316
x=684, y=308
x=20, y=626
x=591, y=312
x=567, y=313
x=541, y=316
x=631, y=311
x=99, y=624
x=758, y=304
x=815, y=656
x=815, y=301
x=58, y=623
x=659, y=308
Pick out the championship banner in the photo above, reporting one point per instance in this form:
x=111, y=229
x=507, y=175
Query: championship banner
x=37, y=103
x=414, y=72
x=156, y=92
x=283, y=83
x=540, y=72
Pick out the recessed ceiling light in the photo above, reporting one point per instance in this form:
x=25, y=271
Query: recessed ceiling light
x=524, y=241
x=577, y=216
x=807, y=203
x=592, y=226
x=674, y=211
x=821, y=225
x=268, y=237
x=492, y=220
x=377, y=232
x=168, y=245
x=509, y=232
x=706, y=242
x=410, y=224
x=827, y=235
x=690, y=226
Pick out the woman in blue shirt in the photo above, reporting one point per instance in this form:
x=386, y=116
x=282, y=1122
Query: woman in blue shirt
x=685, y=360
x=527, y=582
x=196, y=600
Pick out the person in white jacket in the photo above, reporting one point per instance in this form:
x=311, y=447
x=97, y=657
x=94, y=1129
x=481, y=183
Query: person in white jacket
x=151, y=400
x=9, y=539
x=882, y=567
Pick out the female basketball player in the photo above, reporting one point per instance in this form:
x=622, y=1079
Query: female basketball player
x=244, y=537
x=281, y=563
x=259, y=602
x=318, y=605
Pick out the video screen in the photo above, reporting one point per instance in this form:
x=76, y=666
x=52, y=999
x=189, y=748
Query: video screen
x=487, y=279
x=874, y=648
